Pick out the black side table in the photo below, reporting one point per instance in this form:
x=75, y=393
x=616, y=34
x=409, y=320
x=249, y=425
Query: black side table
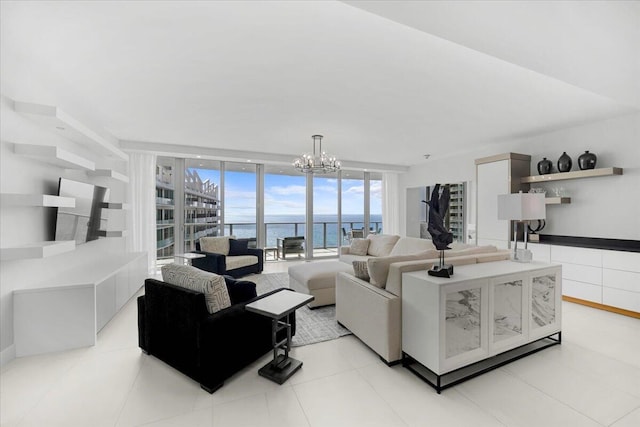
x=277, y=306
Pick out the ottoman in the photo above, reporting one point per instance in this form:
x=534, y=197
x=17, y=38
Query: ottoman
x=317, y=279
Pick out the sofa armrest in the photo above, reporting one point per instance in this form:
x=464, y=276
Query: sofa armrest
x=260, y=254
x=394, y=279
x=212, y=262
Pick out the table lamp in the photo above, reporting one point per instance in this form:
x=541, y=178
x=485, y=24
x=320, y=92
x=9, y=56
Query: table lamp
x=521, y=207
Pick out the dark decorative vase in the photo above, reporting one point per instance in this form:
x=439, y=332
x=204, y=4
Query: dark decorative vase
x=587, y=161
x=564, y=162
x=544, y=166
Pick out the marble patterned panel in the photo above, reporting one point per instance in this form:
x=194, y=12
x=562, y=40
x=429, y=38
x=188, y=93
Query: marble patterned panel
x=543, y=293
x=462, y=321
x=507, y=314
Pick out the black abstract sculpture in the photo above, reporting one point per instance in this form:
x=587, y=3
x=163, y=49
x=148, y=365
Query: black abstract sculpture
x=441, y=237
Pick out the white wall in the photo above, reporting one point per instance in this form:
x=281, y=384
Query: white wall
x=21, y=225
x=606, y=207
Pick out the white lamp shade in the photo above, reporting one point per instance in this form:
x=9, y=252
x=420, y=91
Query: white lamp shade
x=521, y=206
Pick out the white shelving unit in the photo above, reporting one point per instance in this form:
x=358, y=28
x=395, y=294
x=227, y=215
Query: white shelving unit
x=37, y=250
x=110, y=173
x=40, y=200
x=55, y=156
x=68, y=127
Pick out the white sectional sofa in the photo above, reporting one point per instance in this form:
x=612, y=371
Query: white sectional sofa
x=372, y=309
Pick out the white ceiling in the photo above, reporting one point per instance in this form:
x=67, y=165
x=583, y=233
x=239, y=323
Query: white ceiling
x=265, y=76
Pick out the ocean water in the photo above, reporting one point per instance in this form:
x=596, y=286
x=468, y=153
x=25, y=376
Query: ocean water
x=325, y=227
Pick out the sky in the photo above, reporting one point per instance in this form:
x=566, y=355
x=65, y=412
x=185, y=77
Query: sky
x=285, y=195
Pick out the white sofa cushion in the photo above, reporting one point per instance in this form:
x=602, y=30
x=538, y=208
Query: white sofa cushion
x=214, y=288
x=381, y=244
x=411, y=245
x=216, y=245
x=238, y=261
x=359, y=246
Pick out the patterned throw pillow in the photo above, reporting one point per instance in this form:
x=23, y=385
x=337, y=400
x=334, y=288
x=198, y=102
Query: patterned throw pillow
x=360, y=270
x=211, y=285
x=359, y=246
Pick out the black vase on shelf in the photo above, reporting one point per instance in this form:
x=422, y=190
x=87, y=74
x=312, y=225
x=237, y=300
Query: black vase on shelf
x=587, y=161
x=564, y=162
x=544, y=166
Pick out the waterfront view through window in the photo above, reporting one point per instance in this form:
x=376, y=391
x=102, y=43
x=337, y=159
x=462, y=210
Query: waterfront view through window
x=231, y=203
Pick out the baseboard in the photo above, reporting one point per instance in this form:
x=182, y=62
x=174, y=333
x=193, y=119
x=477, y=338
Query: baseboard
x=616, y=310
x=7, y=355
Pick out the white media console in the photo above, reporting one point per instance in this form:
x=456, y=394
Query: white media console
x=69, y=310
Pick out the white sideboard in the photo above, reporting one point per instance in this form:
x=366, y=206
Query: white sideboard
x=484, y=310
x=604, y=278
x=68, y=311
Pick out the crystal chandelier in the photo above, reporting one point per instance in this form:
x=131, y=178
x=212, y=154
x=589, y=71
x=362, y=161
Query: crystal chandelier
x=318, y=162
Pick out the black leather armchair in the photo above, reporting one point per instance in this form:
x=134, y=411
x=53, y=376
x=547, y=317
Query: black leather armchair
x=217, y=263
x=175, y=326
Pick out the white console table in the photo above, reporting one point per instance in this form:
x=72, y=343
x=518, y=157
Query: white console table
x=67, y=311
x=483, y=317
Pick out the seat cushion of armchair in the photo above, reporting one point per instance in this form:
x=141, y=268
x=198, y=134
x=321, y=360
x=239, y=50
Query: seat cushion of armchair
x=238, y=261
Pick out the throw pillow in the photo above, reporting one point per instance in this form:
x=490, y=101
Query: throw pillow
x=360, y=270
x=359, y=246
x=381, y=244
x=213, y=287
x=238, y=247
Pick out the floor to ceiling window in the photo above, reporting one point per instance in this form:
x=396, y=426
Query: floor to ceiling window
x=375, y=202
x=223, y=198
x=352, y=205
x=201, y=201
x=284, y=203
x=240, y=200
x=165, y=207
x=325, y=215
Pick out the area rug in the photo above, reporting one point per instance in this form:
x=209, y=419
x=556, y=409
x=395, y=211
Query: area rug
x=312, y=326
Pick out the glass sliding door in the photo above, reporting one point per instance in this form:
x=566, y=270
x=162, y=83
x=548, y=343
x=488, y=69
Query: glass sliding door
x=375, y=202
x=165, y=209
x=240, y=198
x=201, y=201
x=325, y=216
x=284, y=203
x=352, y=206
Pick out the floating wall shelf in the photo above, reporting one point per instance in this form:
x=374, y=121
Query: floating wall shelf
x=37, y=250
x=557, y=200
x=112, y=233
x=55, y=156
x=589, y=173
x=43, y=200
x=111, y=205
x=110, y=174
x=66, y=126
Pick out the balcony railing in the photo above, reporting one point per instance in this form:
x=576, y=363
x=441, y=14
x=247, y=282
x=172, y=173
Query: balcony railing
x=326, y=235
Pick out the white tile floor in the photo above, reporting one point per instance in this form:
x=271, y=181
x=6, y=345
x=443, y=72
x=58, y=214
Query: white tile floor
x=592, y=379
